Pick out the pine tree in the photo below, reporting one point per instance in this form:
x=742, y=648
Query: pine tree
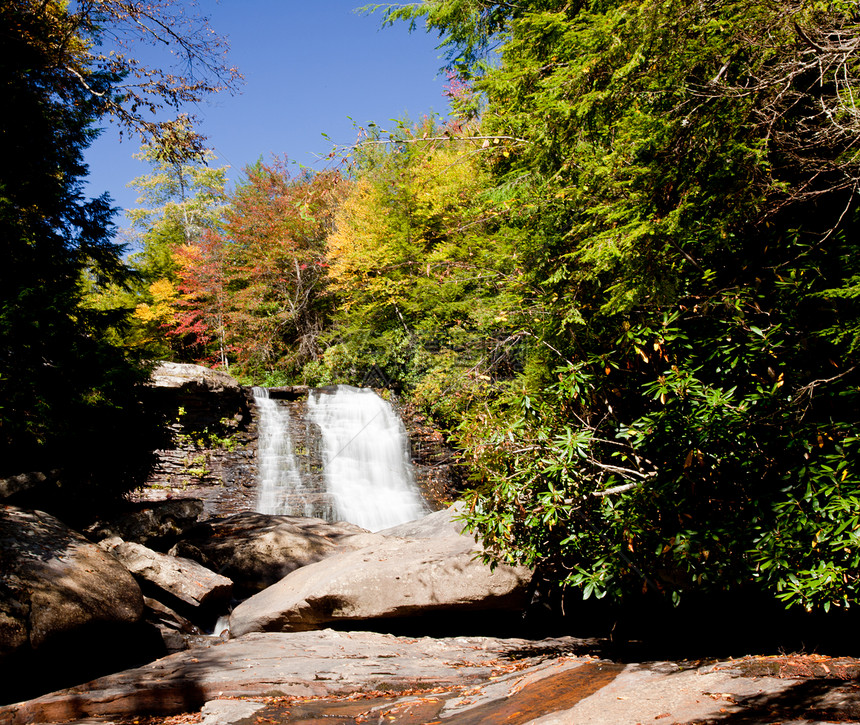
x=62, y=385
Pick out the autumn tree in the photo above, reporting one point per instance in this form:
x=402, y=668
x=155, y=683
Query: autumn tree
x=181, y=199
x=421, y=267
x=198, y=313
x=254, y=286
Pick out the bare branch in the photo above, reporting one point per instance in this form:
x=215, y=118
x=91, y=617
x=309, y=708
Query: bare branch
x=809, y=388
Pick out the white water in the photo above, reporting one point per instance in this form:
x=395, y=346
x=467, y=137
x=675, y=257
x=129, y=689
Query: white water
x=278, y=476
x=366, y=458
x=366, y=474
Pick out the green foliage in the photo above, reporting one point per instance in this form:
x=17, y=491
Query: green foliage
x=683, y=218
x=223, y=435
x=421, y=266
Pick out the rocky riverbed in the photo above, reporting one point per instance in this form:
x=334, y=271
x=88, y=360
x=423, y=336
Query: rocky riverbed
x=186, y=609
x=328, y=676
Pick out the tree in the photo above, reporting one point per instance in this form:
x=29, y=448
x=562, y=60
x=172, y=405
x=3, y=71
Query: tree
x=57, y=372
x=65, y=387
x=111, y=32
x=685, y=180
x=421, y=268
x=183, y=197
x=254, y=285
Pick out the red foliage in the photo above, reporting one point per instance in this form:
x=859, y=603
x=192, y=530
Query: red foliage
x=254, y=288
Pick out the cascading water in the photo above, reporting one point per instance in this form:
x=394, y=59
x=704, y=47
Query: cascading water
x=365, y=458
x=366, y=476
x=280, y=488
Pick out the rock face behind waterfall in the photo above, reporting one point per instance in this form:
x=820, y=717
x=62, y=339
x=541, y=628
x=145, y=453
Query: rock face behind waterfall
x=427, y=569
x=202, y=409
x=366, y=459
x=340, y=453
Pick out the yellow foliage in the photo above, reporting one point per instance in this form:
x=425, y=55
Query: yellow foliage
x=400, y=221
x=161, y=310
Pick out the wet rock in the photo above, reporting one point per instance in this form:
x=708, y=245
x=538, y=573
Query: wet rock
x=207, y=446
x=182, y=580
x=257, y=550
x=437, y=469
x=327, y=676
x=438, y=572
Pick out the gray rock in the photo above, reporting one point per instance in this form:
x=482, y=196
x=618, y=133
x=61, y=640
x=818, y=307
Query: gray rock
x=310, y=664
x=257, y=550
x=392, y=578
x=184, y=579
x=163, y=616
x=229, y=712
x=184, y=375
x=151, y=525
x=53, y=582
x=196, y=398
x=440, y=523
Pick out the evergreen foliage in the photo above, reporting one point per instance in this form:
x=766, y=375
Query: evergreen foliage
x=63, y=386
x=682, y=180
x=68, y=388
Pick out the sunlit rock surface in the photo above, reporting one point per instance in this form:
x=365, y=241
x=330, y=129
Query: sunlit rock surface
x=437, y=570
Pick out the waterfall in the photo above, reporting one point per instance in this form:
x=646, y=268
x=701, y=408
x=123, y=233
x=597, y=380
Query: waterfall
x=280, y=488
x=366, y=457
x=363, y=475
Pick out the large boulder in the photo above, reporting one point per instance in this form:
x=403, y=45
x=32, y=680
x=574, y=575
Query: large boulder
x=185, y=376
x=435, y=573
x=180, y=583
x=257, y=550
x=157, y=524
x=58, y=593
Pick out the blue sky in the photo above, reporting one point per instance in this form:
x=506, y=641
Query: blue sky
x=309, y=66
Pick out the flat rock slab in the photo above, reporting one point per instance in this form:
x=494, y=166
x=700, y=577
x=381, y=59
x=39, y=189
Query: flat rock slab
x=327, y=676
x=314, y=664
